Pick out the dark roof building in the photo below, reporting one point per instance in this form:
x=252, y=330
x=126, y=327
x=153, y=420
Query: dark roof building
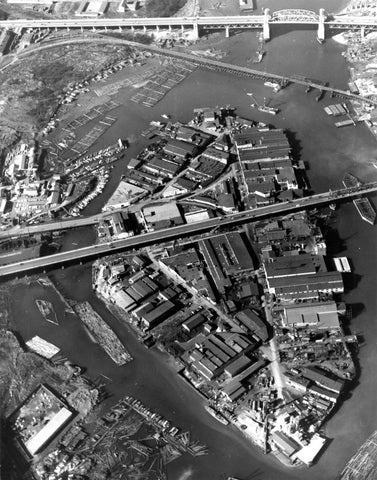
x=238, y=366
x=306, y=286
x=234, y=391
x=154, y=317
x=324, y=379
x=180, y=148
x=305, y=264
x=194, y=322
x=284, y=443
x=253, y=322
x=323, y=393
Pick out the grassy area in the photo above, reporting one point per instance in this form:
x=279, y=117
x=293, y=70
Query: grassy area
x=32, y=88
x=163, y=8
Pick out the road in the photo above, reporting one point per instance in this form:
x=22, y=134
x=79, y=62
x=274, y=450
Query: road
x=238, y=21
x=168, y=234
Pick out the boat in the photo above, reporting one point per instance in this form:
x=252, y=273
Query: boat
x=350, y=181
x=164, y=115
x=266, y=109
x=47, y=310
x=274, y=85
x=263, y=108
x=344, y=123
x=219, y=416
x=363, y=205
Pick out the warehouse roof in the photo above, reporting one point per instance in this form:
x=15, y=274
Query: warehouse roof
x=318, y=314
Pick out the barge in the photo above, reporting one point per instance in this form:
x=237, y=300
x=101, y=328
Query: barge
x=363, y=205
x=47, y=310
x=102, y=333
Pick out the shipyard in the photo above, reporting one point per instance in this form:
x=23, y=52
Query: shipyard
x=236, y=351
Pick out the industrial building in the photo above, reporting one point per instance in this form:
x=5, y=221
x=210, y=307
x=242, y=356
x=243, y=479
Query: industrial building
x=162, y=216
x=319, y=315
x=253, y=323
x=305, y=286
x=324, y=379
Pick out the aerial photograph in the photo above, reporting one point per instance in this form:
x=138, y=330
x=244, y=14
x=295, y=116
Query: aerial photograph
x=188, y=248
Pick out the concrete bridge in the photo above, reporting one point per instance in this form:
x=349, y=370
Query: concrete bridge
x=265, y=22
x=160, y=236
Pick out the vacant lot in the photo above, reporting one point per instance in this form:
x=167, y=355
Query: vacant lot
x=30, y=90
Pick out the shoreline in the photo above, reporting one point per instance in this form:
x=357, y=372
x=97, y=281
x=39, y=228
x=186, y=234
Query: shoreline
x=123, y=320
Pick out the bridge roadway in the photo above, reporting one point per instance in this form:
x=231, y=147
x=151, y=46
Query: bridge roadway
x=240, y=21
x=200, y=61
x=160, y=236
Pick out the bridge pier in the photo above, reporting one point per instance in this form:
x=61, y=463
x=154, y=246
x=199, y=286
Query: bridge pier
x=321, y=35
x=266, y=25
x=182, y=29
x=195, y=31
x=82, y=30
x=67, y=29
x=93, y=29
x=227, y=32
x=157, y=28
x=120, y=28
x=362, y=32
x=144, y=29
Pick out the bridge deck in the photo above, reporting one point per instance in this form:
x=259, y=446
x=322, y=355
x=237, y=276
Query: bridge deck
x=82, y=254
x=178, y=21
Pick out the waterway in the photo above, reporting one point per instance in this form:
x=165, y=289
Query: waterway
x=329, y=153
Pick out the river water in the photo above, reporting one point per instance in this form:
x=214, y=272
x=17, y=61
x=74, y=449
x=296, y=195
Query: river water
x=329, y=153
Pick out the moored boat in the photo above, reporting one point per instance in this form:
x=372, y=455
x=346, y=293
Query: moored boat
x=363, y=205
x=219, y=416
x=47, y=310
